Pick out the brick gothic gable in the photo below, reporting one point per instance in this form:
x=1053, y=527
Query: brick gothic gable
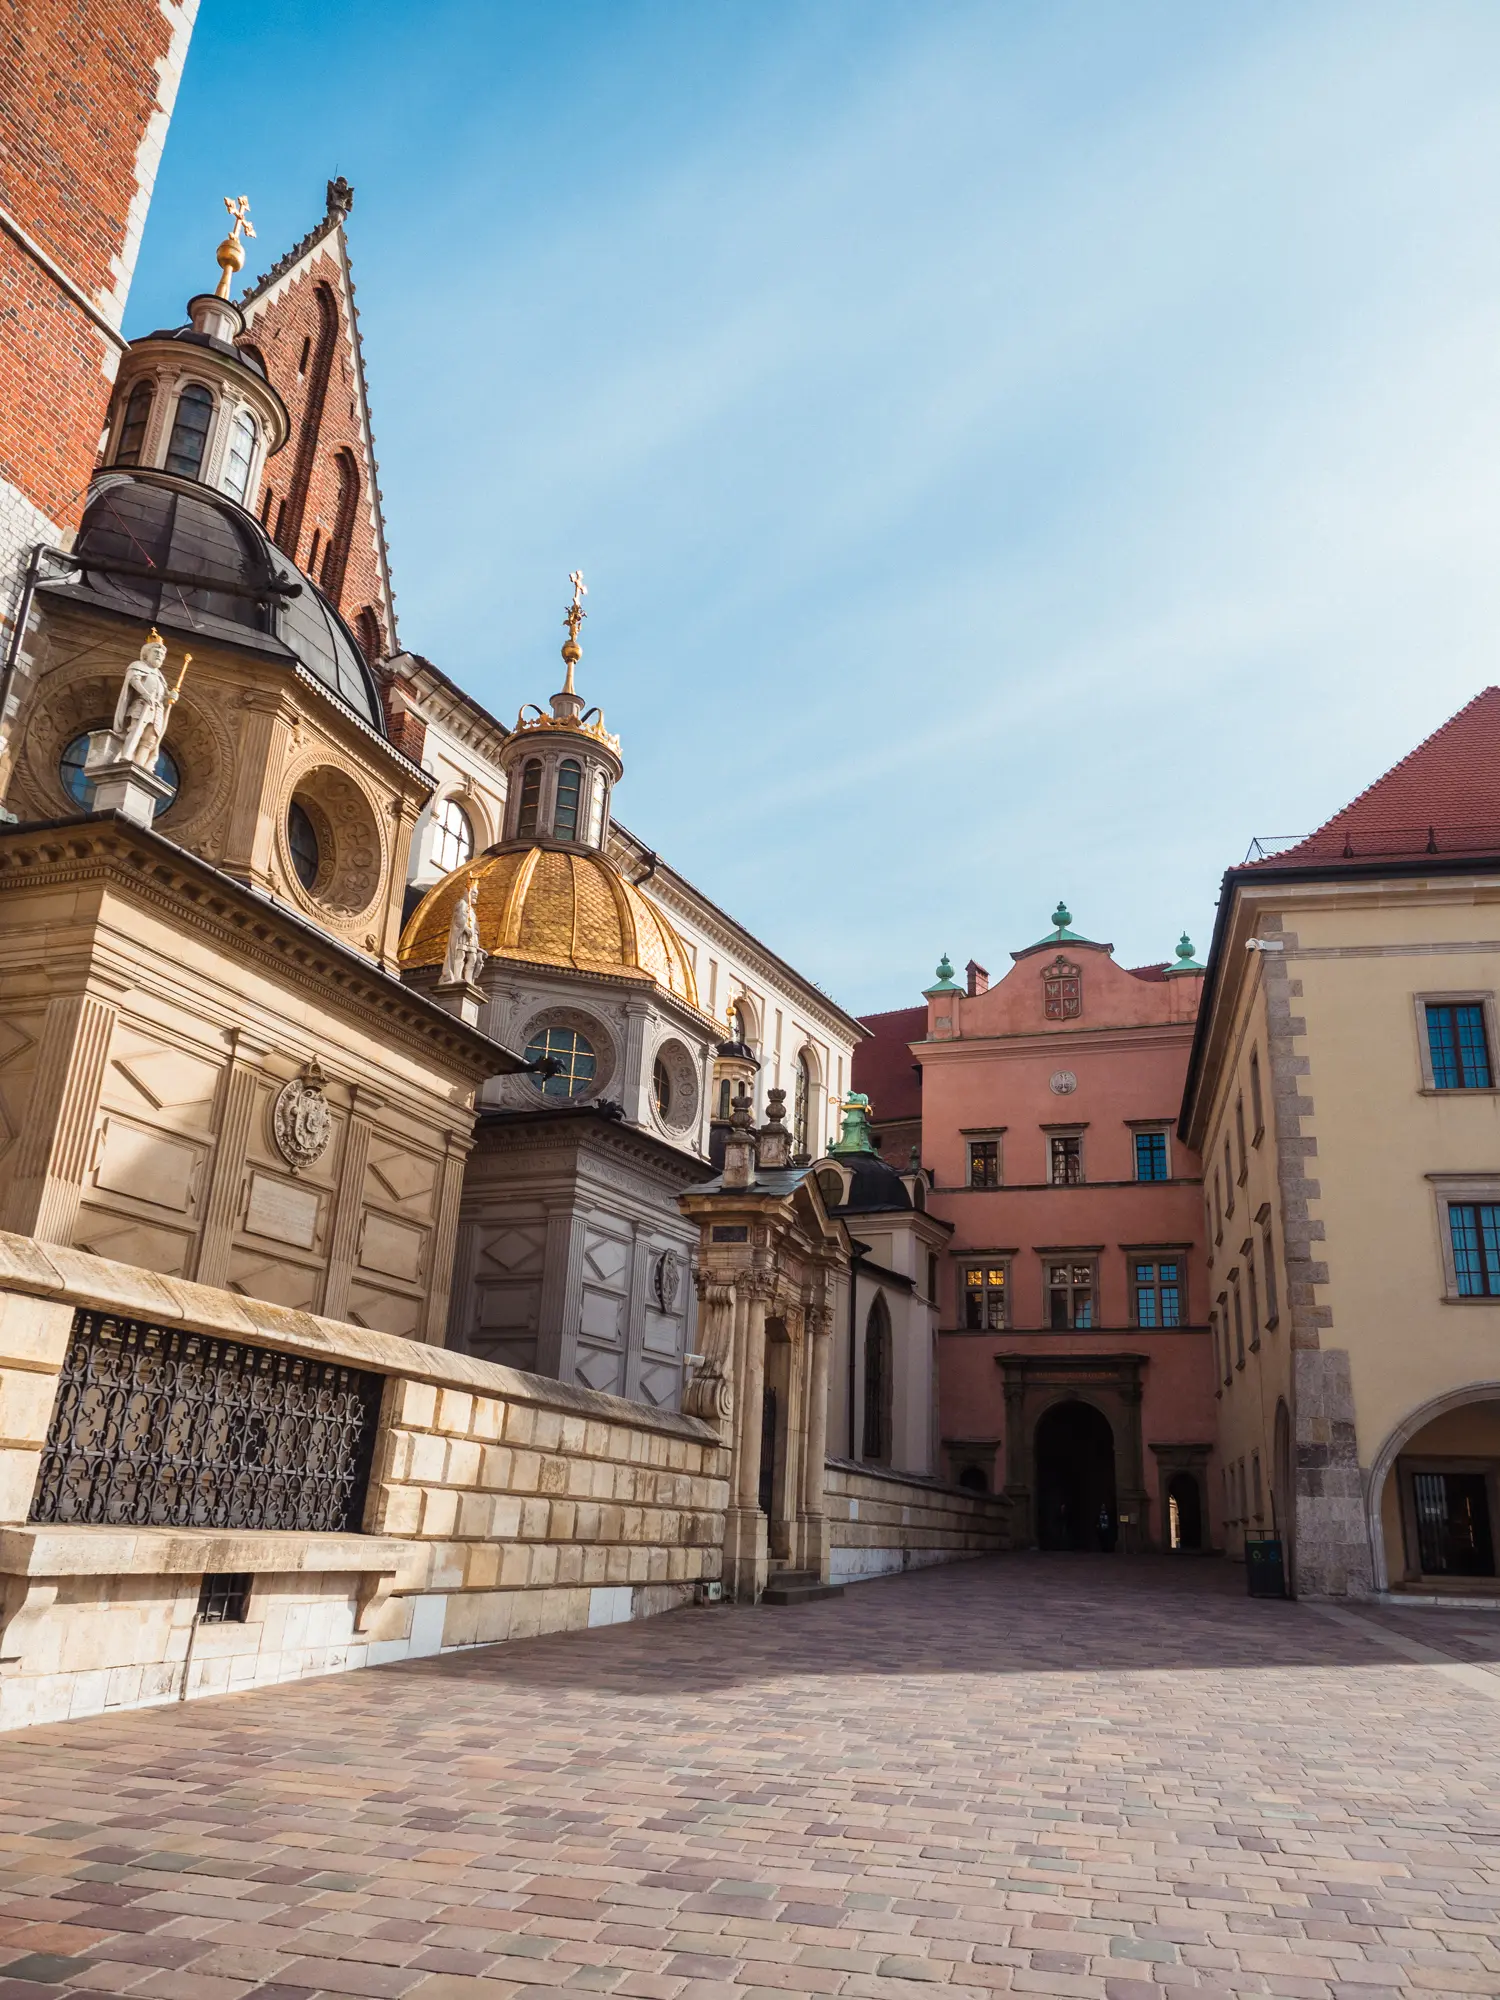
x=321, y=496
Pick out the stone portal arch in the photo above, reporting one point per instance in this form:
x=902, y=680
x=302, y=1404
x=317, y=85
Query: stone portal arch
x=1384, y=1462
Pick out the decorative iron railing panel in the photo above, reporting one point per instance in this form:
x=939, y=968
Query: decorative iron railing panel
x=154, y=1427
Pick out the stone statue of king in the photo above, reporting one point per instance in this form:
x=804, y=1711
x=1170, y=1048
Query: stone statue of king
x=145, y=703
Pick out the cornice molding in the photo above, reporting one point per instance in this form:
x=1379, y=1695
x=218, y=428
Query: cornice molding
x=108, y=849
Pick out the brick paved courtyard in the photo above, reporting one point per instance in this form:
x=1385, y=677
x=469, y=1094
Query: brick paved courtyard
x=1043, y=1775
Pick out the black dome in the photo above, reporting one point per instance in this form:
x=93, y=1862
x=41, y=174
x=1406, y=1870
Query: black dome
x=875, y=1186
x=179, y=555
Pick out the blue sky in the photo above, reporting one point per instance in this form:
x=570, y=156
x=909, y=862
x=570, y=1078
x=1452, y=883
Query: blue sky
x=1015, y=451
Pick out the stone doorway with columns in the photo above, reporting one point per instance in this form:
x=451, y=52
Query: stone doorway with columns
x=1108, y=1384
x=771, y=1265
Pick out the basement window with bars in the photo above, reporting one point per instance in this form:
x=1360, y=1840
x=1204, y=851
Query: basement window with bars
x=224, y=1599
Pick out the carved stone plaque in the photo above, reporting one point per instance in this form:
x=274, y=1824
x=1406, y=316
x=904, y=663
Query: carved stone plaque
x=1063, y=1082
x=301, y=1122
x=284, y=1214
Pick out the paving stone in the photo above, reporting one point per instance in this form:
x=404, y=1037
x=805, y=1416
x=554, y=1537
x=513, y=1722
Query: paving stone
x=1119, y=1780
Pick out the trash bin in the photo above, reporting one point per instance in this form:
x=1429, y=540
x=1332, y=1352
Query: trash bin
x=1265, y=1572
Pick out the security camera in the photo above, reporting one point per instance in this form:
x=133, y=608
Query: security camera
x=1264, y=944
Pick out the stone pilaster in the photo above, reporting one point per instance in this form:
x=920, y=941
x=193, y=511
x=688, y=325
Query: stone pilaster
x=812, y=1519
x=237, y=1108
x=745, y=1541
x=348, y=1207
x=444, y=1238
x=61, y=1113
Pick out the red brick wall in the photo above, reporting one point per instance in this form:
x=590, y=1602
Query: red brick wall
x=316, y=495
x=80, y=85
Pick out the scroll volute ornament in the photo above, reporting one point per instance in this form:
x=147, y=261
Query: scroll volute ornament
x=710, y=1394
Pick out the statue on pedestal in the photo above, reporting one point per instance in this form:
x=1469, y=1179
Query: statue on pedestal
x=465, y=956
x=145, y=705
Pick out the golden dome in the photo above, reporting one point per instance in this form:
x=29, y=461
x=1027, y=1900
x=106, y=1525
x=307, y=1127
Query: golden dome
x=550, y=906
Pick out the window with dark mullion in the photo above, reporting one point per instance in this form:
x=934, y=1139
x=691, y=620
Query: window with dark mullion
x=1475, y=1231
x=1151, y=1156
x=1458, y=1047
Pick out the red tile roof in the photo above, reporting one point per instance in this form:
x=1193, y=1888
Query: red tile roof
x=884, y=1067
x=1442, y=798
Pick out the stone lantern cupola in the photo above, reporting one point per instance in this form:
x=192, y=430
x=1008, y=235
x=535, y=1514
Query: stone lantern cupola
x=561, y=767
x=192, y=402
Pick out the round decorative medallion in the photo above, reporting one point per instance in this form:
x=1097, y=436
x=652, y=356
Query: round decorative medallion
x=300, y=1120
x=1062, y=1082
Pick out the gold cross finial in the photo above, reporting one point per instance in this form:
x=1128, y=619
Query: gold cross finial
x=572, y=652
x=231, y=252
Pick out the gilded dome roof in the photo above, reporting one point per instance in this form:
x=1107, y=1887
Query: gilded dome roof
x=551, y=906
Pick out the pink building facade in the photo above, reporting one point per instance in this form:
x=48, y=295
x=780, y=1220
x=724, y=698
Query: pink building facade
x=1075, y=1362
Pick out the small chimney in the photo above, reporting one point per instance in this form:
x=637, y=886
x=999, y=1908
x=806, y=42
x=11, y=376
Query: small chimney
x=979, y=979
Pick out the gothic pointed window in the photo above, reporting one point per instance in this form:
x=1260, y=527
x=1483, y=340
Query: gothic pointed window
x=195, y=409
x=569, y=783
x=1062, y=990
x=133, y=429
x=531, y=796
x=877, y=1413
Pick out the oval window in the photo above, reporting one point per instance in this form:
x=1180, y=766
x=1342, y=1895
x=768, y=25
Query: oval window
x=302, y=839
x=574, y=1056
x=80, y=788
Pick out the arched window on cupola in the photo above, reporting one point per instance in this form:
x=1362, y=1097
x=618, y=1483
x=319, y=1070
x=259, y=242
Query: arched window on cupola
x=569, y=784
x=596, y=811
x=802, y=1108
x=133, y=425
x=240, y=456
x=531, y=796
x=195, y=409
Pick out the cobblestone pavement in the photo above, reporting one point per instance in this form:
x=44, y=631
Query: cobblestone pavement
x=1055, y=1775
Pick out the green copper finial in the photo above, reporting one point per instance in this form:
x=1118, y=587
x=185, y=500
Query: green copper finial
x=1062, y=916
x=944, y=979
x=1185, y=959
x=855, y=1137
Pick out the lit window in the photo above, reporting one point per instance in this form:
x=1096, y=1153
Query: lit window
x=302, y=839
x=1475, y=1230
x=1156, y=1286
x=1070, y=1296
x=241, y=454
x=984, y=1163
x=1066, y=1155
x=1458, y=1048
x=984, y=1297
x=133, y=427
x=195, y=409
x=531, y=796
x=1151, y=1156
x=452, y=836
x=565, y=819
x=574, y=1055
x=80, y=788
x=661, y=1086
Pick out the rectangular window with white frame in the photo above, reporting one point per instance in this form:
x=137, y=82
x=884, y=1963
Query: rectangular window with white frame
x=1071, y=1293
x=1469, y=1236
x=1153, y=1155
x=985, y=1285
x=984, y=1159
x=1156, y=1289
x=1456, y=1040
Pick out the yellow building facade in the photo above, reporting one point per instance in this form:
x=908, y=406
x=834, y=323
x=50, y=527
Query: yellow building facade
x=1343, y=1096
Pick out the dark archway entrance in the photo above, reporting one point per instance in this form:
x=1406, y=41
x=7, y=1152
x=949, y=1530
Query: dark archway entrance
x=1075, y=1479
x=1184, y=1512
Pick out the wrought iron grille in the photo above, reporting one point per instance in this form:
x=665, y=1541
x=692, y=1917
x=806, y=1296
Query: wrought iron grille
x=154, y=1427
